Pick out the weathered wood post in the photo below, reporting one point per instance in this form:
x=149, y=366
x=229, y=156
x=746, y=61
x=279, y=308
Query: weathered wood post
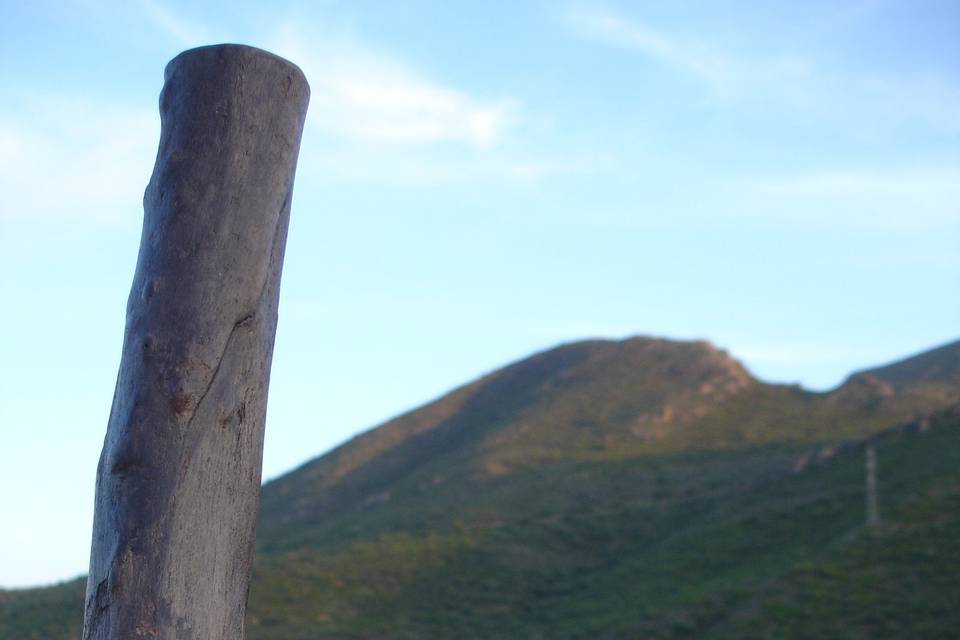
x=178, y=484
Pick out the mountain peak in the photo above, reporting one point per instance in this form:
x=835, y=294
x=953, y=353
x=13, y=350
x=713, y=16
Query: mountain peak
x=558, y=403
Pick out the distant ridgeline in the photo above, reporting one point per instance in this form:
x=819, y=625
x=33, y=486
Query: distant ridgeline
x=642, y=488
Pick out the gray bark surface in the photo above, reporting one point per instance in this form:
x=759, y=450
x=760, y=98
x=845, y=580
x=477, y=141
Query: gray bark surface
x=178, y=484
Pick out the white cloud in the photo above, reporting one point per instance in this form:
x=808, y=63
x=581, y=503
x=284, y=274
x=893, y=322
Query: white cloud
x=382, y=122
x=418, y=167
x=789, y=354
x=821, y=366
x=726, y=76
x=67, y=157
x=615, y=31
x=71, y=157
x=847, y=183
x=368, y=97
x=909, y=199
x=799, y=82
x=365, y=96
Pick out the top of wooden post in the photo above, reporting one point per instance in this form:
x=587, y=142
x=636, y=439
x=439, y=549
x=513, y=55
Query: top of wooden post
x=236, y=51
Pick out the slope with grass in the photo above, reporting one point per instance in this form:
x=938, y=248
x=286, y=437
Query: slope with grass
x=595, y=401
x=643, y=488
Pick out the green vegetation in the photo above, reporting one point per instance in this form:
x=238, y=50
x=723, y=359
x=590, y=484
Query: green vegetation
x=899, y=581
x=694, y=545
x=614, y=490
x=44, y=613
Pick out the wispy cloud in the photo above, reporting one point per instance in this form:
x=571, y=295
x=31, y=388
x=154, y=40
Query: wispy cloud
x=907, y=199
x=822, y=366
x=790, y=354
x=385, y=122
x=910, y=183
x=426, y=167
x=366, y=96
x=800, y=81
x=724, y=74
x=69, y=157
x=65, y=157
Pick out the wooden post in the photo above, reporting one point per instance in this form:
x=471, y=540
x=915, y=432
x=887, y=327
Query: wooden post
x=873, y=515
x=178, y=484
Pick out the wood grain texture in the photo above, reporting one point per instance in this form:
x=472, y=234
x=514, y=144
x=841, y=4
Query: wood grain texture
x=179, y=477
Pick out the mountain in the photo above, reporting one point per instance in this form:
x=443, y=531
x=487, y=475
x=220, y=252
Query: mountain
x=636, y=488
x=582, y=402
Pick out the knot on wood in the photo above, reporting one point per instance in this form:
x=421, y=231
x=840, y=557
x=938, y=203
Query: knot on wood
x=181, y=402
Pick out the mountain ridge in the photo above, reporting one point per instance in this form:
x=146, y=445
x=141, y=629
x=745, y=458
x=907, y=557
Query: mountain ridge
x=642, y=487
x=869, y=381
x=584, y=400
x=859, y=386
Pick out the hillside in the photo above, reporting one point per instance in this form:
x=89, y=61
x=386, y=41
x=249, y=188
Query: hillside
x=638, y=488
x=690, y=546
x=584, y=402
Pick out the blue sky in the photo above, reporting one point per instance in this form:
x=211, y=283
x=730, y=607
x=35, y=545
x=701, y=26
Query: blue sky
x=479, y=181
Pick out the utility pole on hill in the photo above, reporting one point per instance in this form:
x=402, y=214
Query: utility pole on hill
x=178, y=484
